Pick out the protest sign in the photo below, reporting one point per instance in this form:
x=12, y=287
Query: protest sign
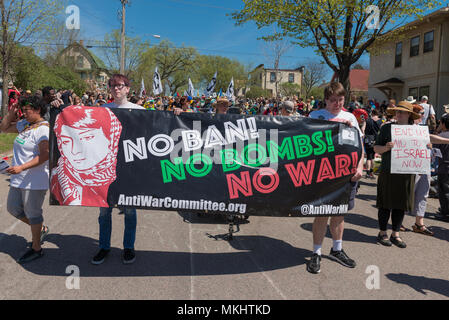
x=410, y=154
x=229, y=164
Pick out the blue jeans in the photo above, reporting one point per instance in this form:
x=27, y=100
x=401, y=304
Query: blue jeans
x=105, y=222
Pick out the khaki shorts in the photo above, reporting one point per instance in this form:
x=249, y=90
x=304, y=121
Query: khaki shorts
x=26, y=203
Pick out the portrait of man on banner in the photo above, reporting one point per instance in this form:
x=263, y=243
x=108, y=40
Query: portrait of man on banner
x=87, y=139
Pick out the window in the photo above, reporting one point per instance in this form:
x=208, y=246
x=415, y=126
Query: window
x=414, y=46
x=398, y=56
x=291, y=77
x=423, y=91
x=70, y=60
x=413, y=92
x=272, y=76
x=428, y=41
x=79, y=62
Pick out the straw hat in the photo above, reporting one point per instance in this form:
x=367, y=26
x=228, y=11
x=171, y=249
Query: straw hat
x=404, y=106
x=223, y=101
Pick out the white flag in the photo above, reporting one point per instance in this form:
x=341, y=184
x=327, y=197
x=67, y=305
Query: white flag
x=142, y=89
x=230, y=91
x=191, y=90
x=157, y=84
x=211, y=86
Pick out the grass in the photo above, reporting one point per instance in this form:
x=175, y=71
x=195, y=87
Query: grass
x=6, y=141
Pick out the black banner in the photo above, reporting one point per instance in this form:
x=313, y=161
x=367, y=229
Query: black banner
x=229, y=164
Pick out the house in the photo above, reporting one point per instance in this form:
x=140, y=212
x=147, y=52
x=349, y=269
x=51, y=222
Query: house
x=415, y=63
x=85, y=63
x=272, y=79
x=358, y=80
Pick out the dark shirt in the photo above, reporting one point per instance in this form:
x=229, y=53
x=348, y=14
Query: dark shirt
x=382, y=139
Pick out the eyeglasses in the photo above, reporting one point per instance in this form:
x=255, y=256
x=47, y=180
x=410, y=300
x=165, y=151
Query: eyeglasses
x=119, y=86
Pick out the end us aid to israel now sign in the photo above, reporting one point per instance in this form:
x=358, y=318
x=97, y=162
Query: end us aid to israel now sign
x=228, y=164
x=410, y=153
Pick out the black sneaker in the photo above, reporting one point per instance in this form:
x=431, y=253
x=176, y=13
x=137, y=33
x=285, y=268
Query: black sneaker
x=129, y=256
x=313, y=266
x=30, y=255
x=100, y=256
x=342, y=257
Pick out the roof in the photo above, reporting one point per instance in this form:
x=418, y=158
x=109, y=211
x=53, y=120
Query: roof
x=273, y=69
x=359, y=79
x=99, y=64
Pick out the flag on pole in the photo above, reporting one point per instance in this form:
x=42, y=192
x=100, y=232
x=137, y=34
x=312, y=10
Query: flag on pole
x=142, y=89
x=191, y=90
x=211, y=86
x=230, y=91
x=157, y=84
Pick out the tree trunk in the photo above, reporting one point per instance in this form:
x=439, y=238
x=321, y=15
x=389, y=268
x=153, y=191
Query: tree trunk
x=5, y=96
x=343, y=78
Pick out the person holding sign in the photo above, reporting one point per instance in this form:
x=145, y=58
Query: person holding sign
x=29, y=170
x=395, y=192
x=119, y=86
x=334, y=95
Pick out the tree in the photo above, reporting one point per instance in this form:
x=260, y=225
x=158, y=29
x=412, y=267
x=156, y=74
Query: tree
x=256, y=92
x=20, y=21
x=24, y=60
x=314, y=74
x=175, y=65
x=226, y=70
x=275, y=49
x=339, y=30
x=290, y=89
x=134, y=49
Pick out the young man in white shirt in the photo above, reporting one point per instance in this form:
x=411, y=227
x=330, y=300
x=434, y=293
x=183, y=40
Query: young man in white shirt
x=334, y=96
x=119, y=86
x=428, y=110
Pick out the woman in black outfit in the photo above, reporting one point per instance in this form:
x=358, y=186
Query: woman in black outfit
x=395, y=192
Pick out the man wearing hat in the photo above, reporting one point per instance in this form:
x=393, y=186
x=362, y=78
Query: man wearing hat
x=428, y=111
x=287, y=109
x=222, y=106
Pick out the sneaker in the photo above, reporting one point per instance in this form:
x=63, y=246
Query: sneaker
x=100, y=256
x=342, y=257
x=313, y=266
x=129, y=256
x=30, y=255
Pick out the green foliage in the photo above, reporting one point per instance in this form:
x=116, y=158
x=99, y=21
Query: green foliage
x=31, y=73
x=257, y=92
x=317, y=93
x=290, y=89
x=335, y=28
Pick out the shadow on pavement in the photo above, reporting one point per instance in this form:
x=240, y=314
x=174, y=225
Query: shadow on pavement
x=367, y=197
x=348, y=235
x=207, y=218
x=420, y=283
x=439, y=232
x=361, y=220
x=369, y=184
x=258, y=254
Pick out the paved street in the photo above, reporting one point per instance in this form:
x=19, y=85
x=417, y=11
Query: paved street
x=178, y=258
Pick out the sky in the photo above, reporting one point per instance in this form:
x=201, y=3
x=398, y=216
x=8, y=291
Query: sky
x=203, y=24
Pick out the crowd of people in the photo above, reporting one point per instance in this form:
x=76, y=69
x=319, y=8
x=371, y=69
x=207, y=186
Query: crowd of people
x=397, y=194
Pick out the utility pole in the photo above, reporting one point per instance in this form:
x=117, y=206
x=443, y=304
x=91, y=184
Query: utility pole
x=122, y=50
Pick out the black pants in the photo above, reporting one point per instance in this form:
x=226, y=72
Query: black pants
x=397, y=216
x=443, y=193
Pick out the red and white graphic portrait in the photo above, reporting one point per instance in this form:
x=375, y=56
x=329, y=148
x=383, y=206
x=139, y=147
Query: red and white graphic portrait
x=88, y=139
